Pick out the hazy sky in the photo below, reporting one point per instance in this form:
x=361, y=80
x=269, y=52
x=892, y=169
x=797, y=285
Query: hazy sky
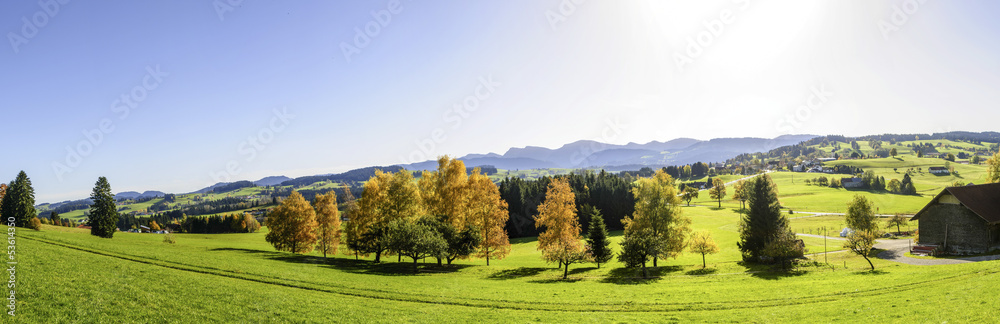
x=176, y=95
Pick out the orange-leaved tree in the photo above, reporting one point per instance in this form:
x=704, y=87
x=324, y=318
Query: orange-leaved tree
x=291, y=225
x=560, y=241
x=328, y=223
x=485, y=210
x=386, y=197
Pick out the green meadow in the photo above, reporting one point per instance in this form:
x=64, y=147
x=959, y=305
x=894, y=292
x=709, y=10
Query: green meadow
x=68, y=275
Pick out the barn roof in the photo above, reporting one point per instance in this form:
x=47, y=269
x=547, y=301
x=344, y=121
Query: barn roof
x=984, y=200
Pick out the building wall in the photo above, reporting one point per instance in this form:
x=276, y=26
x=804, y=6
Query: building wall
x=967, y=232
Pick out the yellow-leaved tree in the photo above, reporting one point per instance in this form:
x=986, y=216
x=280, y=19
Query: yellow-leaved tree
x=291, y=224
x=386, y=197
x=328, y=223
x=443, y=191
x=560, y=240
x=993, y=169
x=485, y=210
x=658, y=213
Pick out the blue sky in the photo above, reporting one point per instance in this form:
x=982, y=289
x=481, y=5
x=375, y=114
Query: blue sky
x=265, y=88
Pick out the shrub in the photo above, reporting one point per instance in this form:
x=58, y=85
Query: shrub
x=169, y=238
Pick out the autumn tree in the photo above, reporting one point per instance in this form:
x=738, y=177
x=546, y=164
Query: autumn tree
x=484, y=209
x=560, y=240
x=702, y=243
x=103, y=212
x=740, y=193
x=249, y=223
x=386, y=197
x=443, y=191
x=993, y=169
x=19, y=201
x=897, y=220
x=153, y=226
x=328, y=223
x=718, y=190
x=597, y=238
x=291, y=225
x=657, y=209
x=690, y=193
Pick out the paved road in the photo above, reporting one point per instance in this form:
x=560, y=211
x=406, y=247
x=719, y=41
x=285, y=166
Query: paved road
x=895, y=250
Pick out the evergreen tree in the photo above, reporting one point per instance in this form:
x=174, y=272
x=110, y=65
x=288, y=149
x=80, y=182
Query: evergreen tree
x=103, y=212
x=763, y=221
x=19, y=201
x=597, y=238
x=54, y=217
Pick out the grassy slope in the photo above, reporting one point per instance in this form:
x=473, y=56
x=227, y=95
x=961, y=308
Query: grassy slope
x=238, y=277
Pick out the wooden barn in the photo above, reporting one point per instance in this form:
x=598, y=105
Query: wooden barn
x=962, y=220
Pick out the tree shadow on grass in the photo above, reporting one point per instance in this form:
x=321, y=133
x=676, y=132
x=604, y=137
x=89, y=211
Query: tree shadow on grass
x=871, y=272
x=770, y=271
x=516, y=273
x=557, y=280
x=702, y=272
x=633, y=276
x=352, y=265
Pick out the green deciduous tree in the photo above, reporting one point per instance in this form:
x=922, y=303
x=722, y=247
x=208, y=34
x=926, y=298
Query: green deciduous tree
x=860, y=215
x=103, y=212
x=690, y=193
x=897, y=220
x=861, y=243
x=638, y=246
x=657, y=209
x=415, y=240
x=386, y=197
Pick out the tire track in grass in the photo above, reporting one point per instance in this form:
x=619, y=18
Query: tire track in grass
x=627, y=306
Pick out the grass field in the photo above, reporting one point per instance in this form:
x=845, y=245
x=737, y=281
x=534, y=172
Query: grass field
x=68, y=275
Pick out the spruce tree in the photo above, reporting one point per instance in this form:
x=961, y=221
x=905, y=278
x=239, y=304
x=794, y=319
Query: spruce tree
x=103, y=212
x=597, y=238
x=19, y=201
x=763, y=221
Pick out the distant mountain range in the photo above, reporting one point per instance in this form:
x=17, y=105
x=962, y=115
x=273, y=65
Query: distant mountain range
x=579, y=154
x=592, y=154
x=137, y=195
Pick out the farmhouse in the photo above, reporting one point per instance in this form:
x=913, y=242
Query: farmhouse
x=938, y=170
x=851, y=182
x=962, y=220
